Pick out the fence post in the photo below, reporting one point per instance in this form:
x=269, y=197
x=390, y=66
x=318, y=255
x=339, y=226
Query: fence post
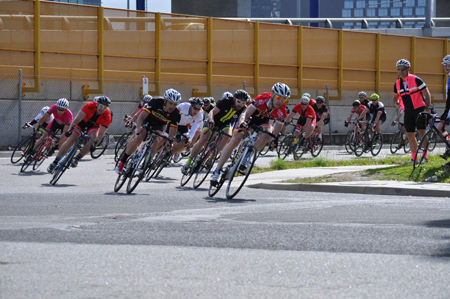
x=329, y=111
x=19, y=128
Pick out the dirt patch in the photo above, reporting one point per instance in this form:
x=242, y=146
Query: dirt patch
x=349, y=177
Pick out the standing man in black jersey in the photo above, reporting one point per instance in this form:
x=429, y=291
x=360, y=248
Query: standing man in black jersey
x=158, y=113
x=223, y=116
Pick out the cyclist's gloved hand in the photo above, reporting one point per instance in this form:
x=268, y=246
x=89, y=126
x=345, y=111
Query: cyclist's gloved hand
x=26, y=125
x=346, y=124
x=393, y=124
x=68, y=133
x=210, y=124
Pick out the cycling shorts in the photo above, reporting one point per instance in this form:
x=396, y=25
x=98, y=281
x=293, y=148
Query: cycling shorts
x=54, y=126
x=413, y=121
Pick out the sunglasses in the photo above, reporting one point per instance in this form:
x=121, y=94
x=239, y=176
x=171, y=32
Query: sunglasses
x=240, y=102
x=305, y=104
x=401, y=69
x=61, y=109
x=196, y=108
x=281, y=98
x=102, y=106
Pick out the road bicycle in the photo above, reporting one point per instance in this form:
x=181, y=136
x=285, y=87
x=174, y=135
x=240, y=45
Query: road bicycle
x=350, y=139
x=365, y=142
x=241, y=165
x=66, y=160
x=122, y=142
x=399, y=139
x=100, y=148
x=431, y=132
x=44, y=149
x=310, y=144
x=285, y=147
x=25, y=146
x=160, y=161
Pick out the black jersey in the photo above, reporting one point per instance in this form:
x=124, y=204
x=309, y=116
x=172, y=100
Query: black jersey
x=320, y=111
x=373, y=109
x=157, y=116
x=227, y=113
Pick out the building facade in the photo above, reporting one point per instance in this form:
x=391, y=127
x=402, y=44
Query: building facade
x=85, y=2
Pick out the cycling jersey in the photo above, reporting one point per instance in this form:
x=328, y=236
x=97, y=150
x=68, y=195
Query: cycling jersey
x=193, y=123
x=409, y=92
x=227, y=114
x=361, y=109
x=262, y=114
x=304, y=115
x=93, y=119
x=65, y=119
x=158, y=117
x=374, y=109
x=39, y=116
x=320, y=111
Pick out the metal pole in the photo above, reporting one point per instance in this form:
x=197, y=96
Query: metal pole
x=20, y=107
x=329, y=111
x=244, y=85
x=430, y=12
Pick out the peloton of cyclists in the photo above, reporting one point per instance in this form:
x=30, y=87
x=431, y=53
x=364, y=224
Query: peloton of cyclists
x=223, y=116
x=159, y=113
x=94, y=119
x=264, y=107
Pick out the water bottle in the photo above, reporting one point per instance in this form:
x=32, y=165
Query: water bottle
x=404, y=136
x=432, y=178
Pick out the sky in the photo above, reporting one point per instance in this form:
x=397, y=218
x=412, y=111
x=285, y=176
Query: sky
x=152, y=5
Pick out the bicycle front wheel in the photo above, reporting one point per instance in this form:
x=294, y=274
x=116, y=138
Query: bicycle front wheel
x=122, y=178
x=432, y=141
x=28, y=160
x=396, y=142
x=63, y=165
x=21, y=149
x=317, y=147
x=138, y=172
x=422, y=148
x=121, y=145
x=377, y=144
x=360, y=145
x=241, y=171
x=101, y=147
x=285, y=147
x=349, y=142
x=41, y=154
x=205, y=167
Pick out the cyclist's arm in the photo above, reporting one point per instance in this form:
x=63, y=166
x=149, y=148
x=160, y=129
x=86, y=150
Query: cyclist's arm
x=43, y=119
x=248, y=112
x=290, y=116
x=141, y=118
x=427, y=96
x=277, y=128
x=80, y=116
x=350, y=116
x=172, y=131
x=135, y=112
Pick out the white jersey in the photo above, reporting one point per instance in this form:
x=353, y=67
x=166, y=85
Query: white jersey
x=43, y=111
x=194, y=123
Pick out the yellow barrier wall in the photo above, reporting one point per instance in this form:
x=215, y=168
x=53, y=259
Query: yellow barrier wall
x=201, y=52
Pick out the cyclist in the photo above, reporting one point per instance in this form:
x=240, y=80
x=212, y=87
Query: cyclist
x=265, y=106
x=223, y=116
x=306, y=122
x=63, y=118
x=311, y=100
x=415, y=97
x=362, y=96
x=94, y=119
x=322, y=115
x=208, y=105
x=134, y=115
x=159, y=113
x=38, y=117
x=190, y=124
x=377, y=112
x=362, y=113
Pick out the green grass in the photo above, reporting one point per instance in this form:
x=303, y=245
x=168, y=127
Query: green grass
x=402, y=171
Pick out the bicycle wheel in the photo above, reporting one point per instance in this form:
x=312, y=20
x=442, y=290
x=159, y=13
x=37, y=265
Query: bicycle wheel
x=186, y=177
x=121, y=145
x=423, y=145
x=63, y=164
x=205, y=167
x=139, y=168
x=177, y=158
x=377, y=144
x=360, y=145
x=28, y=160
x=432, y=141
x=406, y=147
x=284, y=149
x=154, y=167
x=21, y=149
x=300, y=149
x=41, y=154
x=349, y=142
x=122, y=178
x=396, y=142
x=101, y=147
x=265, y=149
x=317, y=147
x=239, y=176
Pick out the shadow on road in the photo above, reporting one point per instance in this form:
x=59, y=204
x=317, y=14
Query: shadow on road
x=221, y=200
x=444, y=223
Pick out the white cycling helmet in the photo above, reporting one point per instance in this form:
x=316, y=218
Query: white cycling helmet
x=306, y=95
x=147, y=98
x=282, y=90
x=227, y=95
x=172, y=95
x=304, y=100
x=446, y=60
x=362, y=94
x=403, y=62
x=62, y=103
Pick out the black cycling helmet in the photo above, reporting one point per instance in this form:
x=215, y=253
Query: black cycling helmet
x=320, y=99
x=356, y=103
x=242, y=95
x=196, y=102
x=104, y=100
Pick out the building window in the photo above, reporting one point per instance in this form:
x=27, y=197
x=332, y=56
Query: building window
x=348, y=4
x=360, y=4
x=397, y=4
x=407, y=12
x=410, y=3
x=420, y=11
x=371, y=12
x=358, y=13
x=395, y=12
x=421, y=3
x=382, y=12
x=346, y=13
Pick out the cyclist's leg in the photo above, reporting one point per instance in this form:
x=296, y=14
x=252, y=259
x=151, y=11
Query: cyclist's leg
x=132, y=145
x=225, y=138
x=198, y=146
x=263, y=139
x=228, y=150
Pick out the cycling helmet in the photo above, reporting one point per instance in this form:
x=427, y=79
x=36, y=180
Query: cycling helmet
x=306, y=95
x=446, y=60
x=196, y=102
x=304, y=100
x=320, y=99
x=242, y=95
x=356, y=103
x=147, y=98
x=206, y=101
x=62, y=103
x=227, y=95
x=362, y=94
x=103, y=100
x=374, y=96
x=282, y=90
x=403, y=62
x=172, y=95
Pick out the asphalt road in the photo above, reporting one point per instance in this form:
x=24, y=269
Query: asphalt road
x=79, y=239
